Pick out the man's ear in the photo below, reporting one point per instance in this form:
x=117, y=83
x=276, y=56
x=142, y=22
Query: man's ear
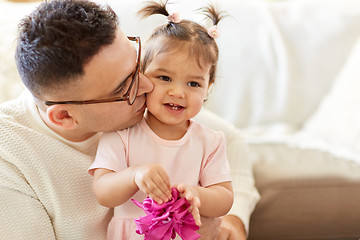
x=61, y=116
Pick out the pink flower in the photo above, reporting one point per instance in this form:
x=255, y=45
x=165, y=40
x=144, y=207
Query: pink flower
x=213, y=32
x=174, y=18
x=164, y=221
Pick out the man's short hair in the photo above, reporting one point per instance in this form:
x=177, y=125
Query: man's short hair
x=58, y=38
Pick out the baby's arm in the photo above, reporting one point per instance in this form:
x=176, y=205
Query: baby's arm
x=215, y=200
x=114, y=188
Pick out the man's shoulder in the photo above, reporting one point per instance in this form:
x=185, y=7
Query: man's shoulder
x=12, y=111
x=14, y=119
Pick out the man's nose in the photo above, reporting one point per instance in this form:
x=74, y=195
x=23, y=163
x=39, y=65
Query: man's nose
x=145, y=85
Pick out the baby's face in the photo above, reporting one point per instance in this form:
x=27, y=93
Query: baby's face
x=180, y=87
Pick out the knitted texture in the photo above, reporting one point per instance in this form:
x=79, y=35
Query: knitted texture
x=44, y=185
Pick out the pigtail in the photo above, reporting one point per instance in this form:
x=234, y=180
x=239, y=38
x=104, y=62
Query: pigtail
x=213, y=13
x=153, y=8
x=215, y=16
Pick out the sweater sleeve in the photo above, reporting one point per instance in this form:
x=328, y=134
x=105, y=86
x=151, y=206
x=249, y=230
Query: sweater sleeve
x=246, y=195
x=22, y=214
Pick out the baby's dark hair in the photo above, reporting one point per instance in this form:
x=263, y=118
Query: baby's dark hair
x=58, y=38
x=185, y=33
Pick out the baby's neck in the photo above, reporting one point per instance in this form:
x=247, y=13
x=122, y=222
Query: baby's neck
x=165, y=131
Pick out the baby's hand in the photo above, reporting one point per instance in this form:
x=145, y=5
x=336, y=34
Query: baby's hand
x=192, y=196
x=153, y=180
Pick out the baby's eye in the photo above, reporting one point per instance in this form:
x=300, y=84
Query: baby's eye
x=165, y=78
x=194, y=84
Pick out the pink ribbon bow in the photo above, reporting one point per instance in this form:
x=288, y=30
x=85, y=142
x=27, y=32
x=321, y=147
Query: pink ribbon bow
x=174, y=17
x=213, y=32
x=163, y=221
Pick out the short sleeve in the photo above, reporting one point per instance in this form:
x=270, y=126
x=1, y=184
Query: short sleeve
x=215, y=169
x=111, y=152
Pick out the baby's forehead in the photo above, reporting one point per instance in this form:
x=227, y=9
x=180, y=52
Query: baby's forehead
x=182, y=55
x=191, y=51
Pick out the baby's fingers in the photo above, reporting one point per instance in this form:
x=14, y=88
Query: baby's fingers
x=156, y=193
x=163, y=183
x=181, y=188
x=156, y=198
x=195, y=202
x=196, y=215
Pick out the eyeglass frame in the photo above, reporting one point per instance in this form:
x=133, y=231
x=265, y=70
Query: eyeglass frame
x=125, y=97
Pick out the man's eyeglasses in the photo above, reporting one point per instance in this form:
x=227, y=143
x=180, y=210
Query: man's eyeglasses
x=130, y=94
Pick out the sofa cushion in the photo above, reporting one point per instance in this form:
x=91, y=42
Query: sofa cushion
x=278, y=59
x=321, y=209
x=337, y=120
x=305, y=194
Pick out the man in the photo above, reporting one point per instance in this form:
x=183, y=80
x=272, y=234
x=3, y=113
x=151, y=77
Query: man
x=83, y=78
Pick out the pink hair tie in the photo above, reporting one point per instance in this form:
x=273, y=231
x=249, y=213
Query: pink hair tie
x=174, y=18
x=213, y=32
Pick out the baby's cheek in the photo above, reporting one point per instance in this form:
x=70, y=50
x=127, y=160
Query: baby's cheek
x=198, y=105
x=150, y=100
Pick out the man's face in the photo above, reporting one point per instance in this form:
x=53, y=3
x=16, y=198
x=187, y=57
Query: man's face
x=103, y=76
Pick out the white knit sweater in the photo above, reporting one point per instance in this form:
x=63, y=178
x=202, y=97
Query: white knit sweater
x=45, y=190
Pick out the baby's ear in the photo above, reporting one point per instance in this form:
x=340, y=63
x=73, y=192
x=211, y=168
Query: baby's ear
x=210, y=87
x=61, y=116
x=209, y=90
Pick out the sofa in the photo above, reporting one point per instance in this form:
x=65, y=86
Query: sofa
x=288, y=81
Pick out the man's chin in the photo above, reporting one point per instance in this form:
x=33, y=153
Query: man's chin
x=142, y=109
x=136, y=119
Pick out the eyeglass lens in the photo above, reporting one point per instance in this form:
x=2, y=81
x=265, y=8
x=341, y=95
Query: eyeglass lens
x=135, y=78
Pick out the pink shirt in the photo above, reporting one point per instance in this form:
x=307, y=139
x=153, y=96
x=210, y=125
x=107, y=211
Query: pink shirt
x=198, y=158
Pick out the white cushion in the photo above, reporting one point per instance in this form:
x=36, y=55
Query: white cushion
x=278, y=59
x=337, y=120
